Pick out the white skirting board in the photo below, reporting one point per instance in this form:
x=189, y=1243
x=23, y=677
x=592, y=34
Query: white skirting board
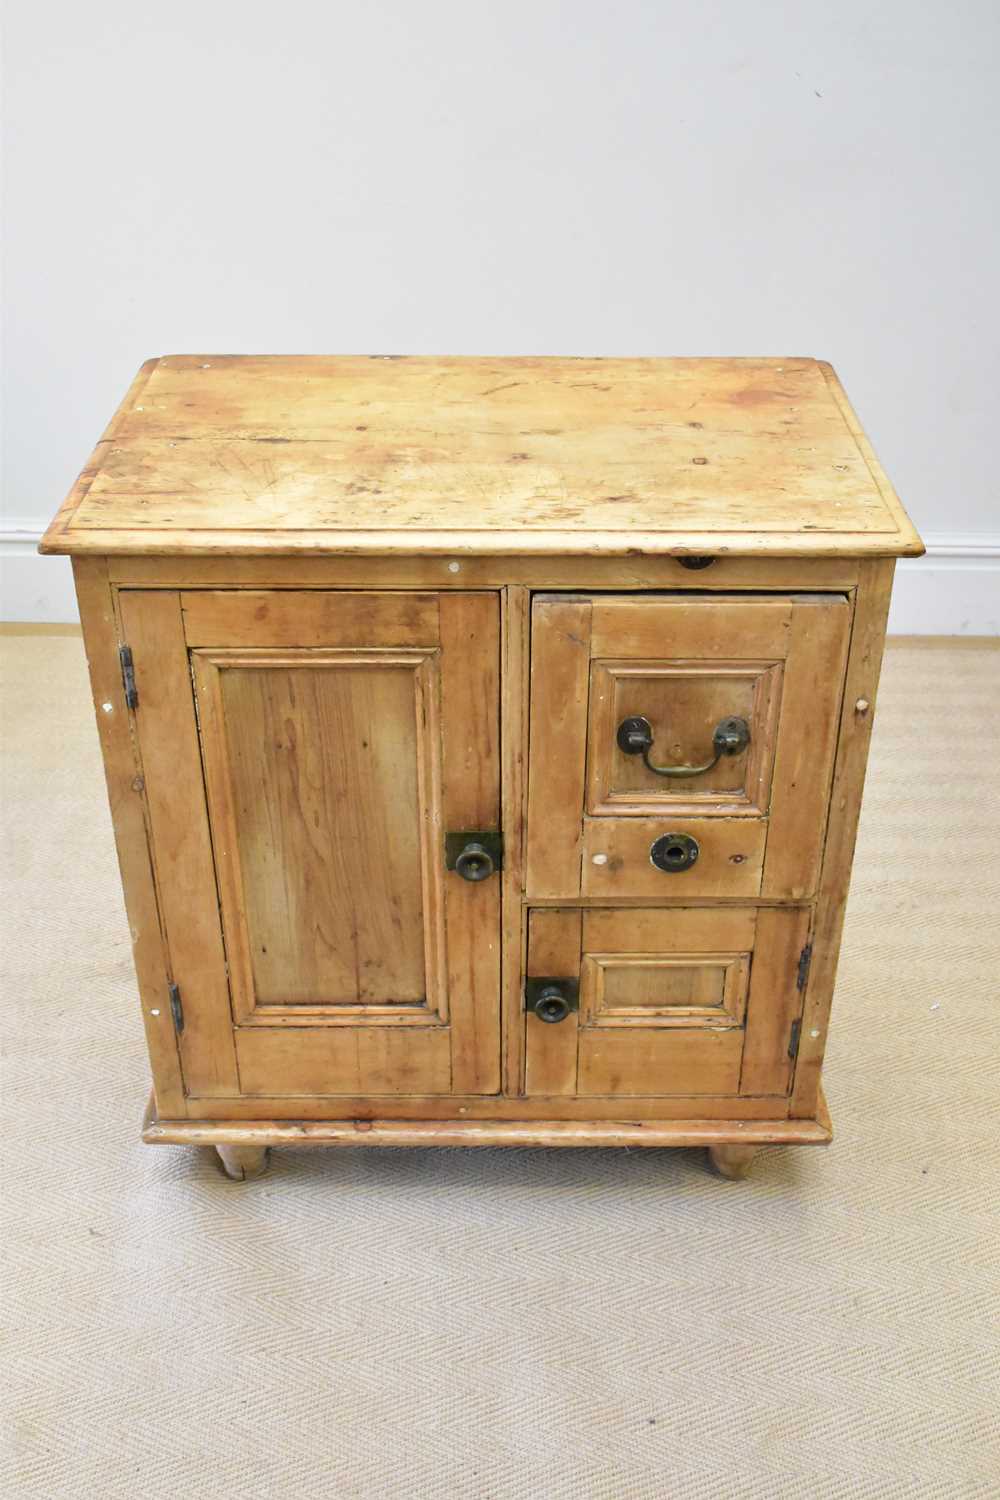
x=954, y=590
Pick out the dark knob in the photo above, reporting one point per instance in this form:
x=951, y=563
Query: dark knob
x=551, y=1005
x=474, y=863
x=673, y=852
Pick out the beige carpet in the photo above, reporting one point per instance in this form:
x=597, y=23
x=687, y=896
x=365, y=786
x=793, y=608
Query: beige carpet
x=545, y=1326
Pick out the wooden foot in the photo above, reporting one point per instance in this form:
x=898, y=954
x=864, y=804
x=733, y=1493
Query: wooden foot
x=243, y=1162
x=731, y=1161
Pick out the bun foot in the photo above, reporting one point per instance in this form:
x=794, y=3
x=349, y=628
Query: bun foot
x=732, y=1161
x=243, y=1162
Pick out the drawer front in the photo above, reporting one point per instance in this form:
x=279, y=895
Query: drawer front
x=685, y=1001
x=669, y=722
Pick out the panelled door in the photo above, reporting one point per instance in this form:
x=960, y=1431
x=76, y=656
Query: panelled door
x=304, y=755
x=675, y=1001
x=682, y=746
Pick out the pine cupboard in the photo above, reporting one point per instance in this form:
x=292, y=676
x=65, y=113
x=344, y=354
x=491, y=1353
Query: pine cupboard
x=485, y=741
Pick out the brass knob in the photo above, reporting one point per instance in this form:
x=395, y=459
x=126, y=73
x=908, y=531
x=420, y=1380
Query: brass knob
x=551, y=1005
x=474, y=863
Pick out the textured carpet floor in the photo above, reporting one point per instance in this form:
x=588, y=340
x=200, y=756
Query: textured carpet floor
x=552, y=1326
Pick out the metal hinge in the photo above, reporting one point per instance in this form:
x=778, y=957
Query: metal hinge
x=176, y=1008
x=793, y=1040
x=128, y=676
x=805, y=959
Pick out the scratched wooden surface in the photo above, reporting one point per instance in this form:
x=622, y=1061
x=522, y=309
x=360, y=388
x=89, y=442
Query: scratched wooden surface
x=243, y=454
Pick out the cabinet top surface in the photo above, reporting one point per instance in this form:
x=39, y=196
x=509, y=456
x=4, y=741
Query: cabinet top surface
x=255, y=454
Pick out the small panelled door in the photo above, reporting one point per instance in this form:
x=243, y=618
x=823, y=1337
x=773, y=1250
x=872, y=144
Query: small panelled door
x=677, y=1001
x=304, y=755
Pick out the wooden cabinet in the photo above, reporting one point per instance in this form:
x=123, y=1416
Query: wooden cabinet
x=484, y=769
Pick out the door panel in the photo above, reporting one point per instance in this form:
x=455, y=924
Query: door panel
x=340, y=737
x=685, y=668
x=692, y=698
x=683, y=1001
x=324, y=815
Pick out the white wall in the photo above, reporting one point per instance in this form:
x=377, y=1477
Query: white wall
x=729, y=177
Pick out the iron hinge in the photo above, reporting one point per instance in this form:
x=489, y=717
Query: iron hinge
x=793, y=1040
x=176, y=1008
x=805, y=959
x=128, y=676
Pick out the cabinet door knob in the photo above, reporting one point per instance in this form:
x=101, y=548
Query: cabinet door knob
x=474, y=863
x=551, y=1000
x=635, y=737
x=474, y=853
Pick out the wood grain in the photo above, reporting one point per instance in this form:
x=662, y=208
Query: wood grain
x=457, y=1132
x=621, y=1063
x=335, y=1060
x=553, y=952
x=691, y=628
x=275, y=618
x=514, y=680
x=416, y=571
x=523, y=455
x=122, y=771
x=864, y=666
x=683, y=702
x=415, y=1105
x=185, y=873
x=807, y=737
x=560, y=665
x=319, y=812
x=470, y=699
x=616, y=858
x=775, y=999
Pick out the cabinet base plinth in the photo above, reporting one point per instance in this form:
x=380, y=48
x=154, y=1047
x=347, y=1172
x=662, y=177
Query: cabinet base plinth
x=720, y=1136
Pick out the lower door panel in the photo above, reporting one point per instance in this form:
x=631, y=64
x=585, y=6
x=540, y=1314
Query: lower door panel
x=688, y=1001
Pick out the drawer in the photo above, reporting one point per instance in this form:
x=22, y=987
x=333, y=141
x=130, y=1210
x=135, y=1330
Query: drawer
x=688, y=1001
x=682, y=745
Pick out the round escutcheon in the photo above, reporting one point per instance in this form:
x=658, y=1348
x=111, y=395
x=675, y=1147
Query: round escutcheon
x=673, y=852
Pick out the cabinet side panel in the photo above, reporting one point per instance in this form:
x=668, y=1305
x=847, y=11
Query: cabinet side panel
x=864, y=664
x=121, y=772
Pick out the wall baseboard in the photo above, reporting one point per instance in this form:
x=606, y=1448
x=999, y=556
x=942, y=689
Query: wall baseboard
x=954, y=590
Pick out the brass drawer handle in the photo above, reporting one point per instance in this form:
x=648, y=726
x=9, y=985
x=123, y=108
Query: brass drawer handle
x=635, y=737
